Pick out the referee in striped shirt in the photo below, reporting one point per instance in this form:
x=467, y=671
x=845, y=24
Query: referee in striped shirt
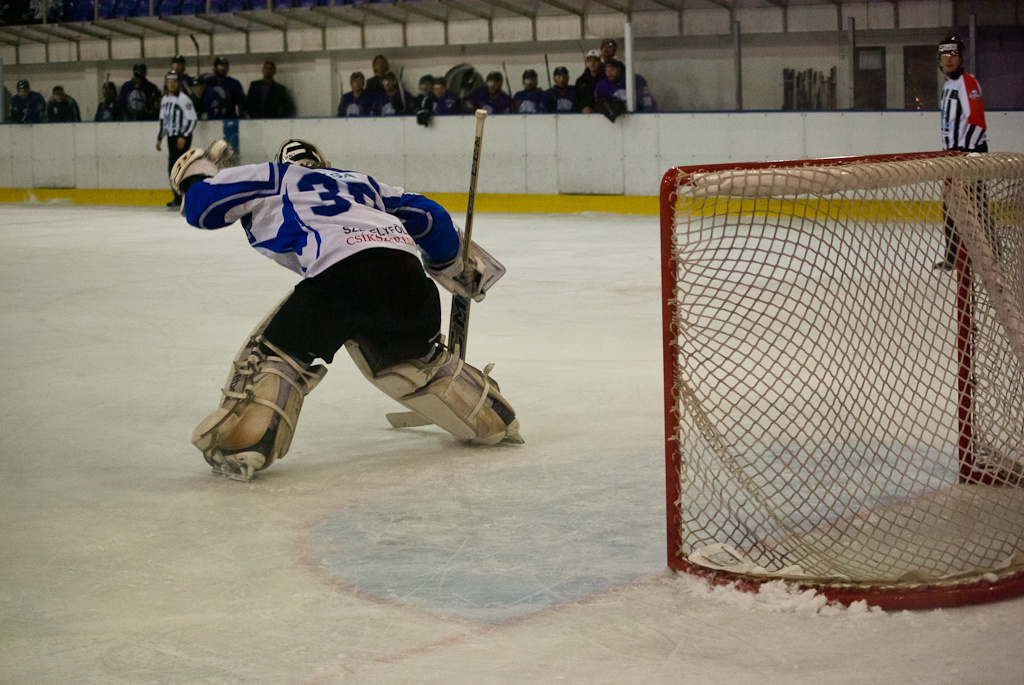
x=177, y=121
x=962, y=116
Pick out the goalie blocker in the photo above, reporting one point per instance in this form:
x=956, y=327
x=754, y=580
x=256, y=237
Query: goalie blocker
x=472, y=282
x=199, y=163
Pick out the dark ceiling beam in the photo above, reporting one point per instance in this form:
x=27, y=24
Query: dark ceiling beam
x=420, y=11
x=474, y=12
x=614, y=6
x=569, y=10
x=462, y=7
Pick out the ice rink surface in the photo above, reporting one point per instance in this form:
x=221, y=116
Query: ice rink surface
x=372, y=554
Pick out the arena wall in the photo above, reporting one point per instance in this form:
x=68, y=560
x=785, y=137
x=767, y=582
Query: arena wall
x=522, y=154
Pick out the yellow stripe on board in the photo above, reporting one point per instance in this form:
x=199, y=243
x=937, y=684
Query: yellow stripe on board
x=549, y=204
x=87, y=196
x=814, y=208
x=454, y=202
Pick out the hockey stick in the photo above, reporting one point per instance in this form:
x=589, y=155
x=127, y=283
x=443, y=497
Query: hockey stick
x=458, y=323
x=508, y=84
x=196, y=43
x=401, y=88
x=407, y=419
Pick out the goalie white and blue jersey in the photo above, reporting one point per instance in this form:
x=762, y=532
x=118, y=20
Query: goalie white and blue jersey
x=309, y=219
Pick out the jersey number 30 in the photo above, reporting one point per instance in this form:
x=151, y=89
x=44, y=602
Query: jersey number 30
x=335, y=197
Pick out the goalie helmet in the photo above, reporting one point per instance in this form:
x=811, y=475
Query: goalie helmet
x=301, y=152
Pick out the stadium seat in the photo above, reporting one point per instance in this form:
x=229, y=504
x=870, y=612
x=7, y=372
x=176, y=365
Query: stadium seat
x=105, y=9
x=67, y=10
x=128, y=8
x=84, y=11
x=193, y=7
x=166, y=8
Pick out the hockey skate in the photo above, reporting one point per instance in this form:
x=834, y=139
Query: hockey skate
x=254, y=425
x=448, y=392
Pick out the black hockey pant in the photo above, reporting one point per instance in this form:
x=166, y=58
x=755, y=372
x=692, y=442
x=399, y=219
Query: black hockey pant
x=380, y=298
x=173, y=153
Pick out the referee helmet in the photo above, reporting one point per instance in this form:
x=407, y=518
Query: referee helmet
x=951, y=44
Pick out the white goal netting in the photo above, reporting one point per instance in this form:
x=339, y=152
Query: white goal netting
x=840, y=409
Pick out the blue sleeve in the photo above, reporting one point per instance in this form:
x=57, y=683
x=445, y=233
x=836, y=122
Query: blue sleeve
x=429, y=224
x=208, y=204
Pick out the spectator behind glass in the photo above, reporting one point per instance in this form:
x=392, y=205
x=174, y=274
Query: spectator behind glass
x=608, y=49
x=62, y=107
x=426, y=84
x=530, y=100
x=108, y=109
x=27, y=106
x=357, y=102
x=644, y=100
x=139, y=99
x=268, y=99
x=185, y=82
x=440, y=101
x=224, y=96
x=491, y=97
x=443, y=100
x=199, y=96
x=561, y=98
x=611, y=93
x=394, y=100
x=587, y=82
x=375, y=85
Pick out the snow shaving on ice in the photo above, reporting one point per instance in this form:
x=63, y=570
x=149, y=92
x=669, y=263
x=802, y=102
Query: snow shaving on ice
x=776, y=597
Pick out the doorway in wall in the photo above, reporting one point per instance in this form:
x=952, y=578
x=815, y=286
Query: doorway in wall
x=869, y=79
x=920, y=77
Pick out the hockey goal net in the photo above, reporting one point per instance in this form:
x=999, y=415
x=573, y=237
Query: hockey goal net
x=842, y=412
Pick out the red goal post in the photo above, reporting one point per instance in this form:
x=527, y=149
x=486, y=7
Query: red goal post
x=839, y=414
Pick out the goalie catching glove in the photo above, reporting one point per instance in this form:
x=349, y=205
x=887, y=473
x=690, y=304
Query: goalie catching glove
x=472, y=282
x=199, y=163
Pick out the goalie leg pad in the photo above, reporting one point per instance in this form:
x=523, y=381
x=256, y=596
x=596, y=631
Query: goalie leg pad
x=255, y=422
x=459, y=398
